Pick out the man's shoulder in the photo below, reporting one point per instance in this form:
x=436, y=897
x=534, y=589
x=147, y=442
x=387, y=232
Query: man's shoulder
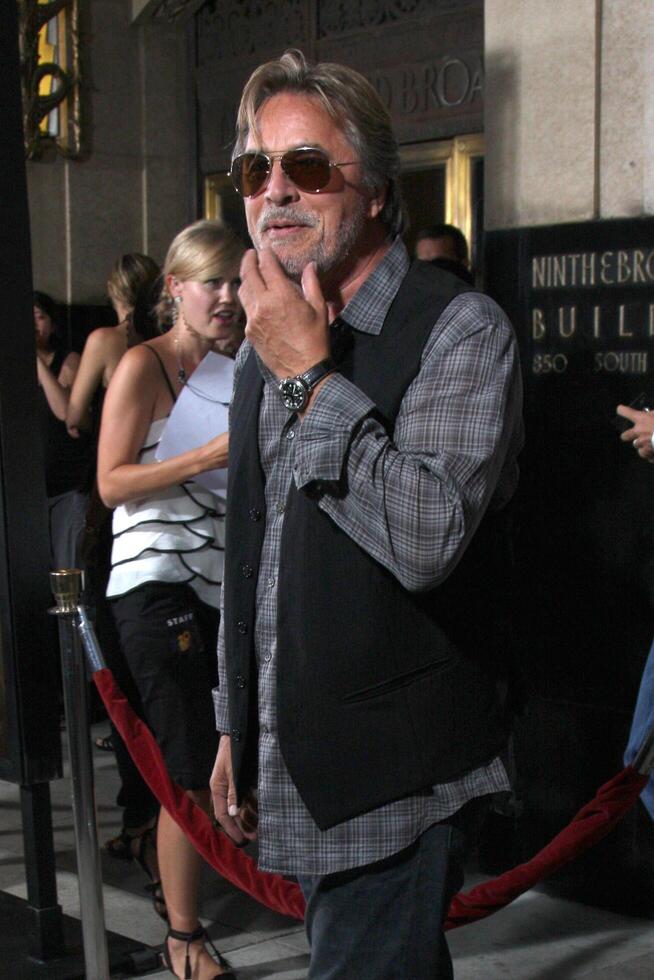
x=471, y=311
x=473, y=317
x=481, y=303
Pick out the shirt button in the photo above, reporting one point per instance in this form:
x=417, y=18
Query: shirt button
x=247, y=571
x=267, y=657
x=240, y=681
x=290, y=434
x=236, y=735
x=271, y=582
x=280, y=508
x=242, y=627
x=255, y=515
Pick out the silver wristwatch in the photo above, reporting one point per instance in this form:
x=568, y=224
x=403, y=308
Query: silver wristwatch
x=295, y=391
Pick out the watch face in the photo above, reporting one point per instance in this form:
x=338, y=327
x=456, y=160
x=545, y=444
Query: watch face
x=294, y=393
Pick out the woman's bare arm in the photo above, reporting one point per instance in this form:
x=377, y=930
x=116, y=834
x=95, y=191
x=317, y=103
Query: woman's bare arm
x=101, y=354
x=131, y=404
x=57, y=389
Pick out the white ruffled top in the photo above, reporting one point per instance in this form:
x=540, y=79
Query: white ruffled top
x=177, y=536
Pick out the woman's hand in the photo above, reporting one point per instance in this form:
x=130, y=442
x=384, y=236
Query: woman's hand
x=640, y=432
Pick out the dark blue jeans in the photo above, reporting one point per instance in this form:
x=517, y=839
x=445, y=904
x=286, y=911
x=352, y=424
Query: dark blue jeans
x=384, y=921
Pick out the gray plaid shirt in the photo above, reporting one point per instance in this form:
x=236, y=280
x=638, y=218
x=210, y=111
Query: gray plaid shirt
x=456, y=438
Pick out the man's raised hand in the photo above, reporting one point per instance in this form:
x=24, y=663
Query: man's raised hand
x=286, y=323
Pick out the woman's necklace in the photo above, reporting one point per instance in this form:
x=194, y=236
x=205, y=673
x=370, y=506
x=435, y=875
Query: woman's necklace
x=184, y=380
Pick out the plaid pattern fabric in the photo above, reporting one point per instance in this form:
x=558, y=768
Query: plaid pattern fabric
x=454, y=449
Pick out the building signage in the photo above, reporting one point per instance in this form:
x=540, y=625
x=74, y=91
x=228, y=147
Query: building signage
x=450, y=82
x=591, y=310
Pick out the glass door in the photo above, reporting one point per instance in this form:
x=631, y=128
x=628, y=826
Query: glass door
x=443, y=181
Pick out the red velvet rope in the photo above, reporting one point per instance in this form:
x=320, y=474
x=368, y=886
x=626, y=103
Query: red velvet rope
x=231, y=862
x=593, y=822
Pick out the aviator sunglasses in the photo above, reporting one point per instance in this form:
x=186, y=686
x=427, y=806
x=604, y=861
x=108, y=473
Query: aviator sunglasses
x=308, y=167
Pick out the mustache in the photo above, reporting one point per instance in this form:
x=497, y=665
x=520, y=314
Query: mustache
x=291, y=213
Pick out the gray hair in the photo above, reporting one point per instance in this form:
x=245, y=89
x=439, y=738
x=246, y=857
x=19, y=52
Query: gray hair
x=351, y=101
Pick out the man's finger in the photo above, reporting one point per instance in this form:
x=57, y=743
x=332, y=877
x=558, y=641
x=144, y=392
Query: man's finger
x=223, y=792
x=228, y=824
x=250, y=264
x=311, y=288
x=251, y=281
x=248, y=818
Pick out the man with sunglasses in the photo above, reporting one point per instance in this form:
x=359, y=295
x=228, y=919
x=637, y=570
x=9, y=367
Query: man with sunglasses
x=374, y=428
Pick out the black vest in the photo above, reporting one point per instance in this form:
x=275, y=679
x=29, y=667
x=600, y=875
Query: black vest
x=381, y=692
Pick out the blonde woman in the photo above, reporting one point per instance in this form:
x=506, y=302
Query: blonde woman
x=167, y=556
x=131, y=274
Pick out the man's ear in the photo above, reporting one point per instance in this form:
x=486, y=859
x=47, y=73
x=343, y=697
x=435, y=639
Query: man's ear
x=377, y=201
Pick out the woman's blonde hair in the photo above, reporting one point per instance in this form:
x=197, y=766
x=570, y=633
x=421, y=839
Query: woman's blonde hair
x=201, y=251
x=130, y=274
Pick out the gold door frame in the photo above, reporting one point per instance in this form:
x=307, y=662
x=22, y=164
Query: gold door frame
x=457, y=155
x=214, y=184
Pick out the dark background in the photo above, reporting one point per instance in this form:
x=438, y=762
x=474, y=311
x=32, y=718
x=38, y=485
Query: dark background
x=584, y=547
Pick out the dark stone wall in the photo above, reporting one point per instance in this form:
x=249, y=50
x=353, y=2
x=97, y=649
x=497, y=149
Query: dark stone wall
x=425, y=57
x=581, y=298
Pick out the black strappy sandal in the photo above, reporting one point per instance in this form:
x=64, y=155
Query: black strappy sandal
x=188, y=938
x=104, y=743
x=154, y=888
x=133, y=847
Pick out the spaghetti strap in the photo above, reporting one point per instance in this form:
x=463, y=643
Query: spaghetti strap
x=163, y=371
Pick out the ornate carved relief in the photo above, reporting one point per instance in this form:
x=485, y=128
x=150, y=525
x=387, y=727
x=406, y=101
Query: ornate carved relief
x=172, y=10
x=234, y=28
x=424, y=57
x=340, y=16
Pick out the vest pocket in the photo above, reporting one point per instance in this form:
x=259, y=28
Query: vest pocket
x=400, y=680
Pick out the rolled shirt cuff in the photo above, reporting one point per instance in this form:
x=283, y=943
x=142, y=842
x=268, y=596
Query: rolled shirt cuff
x=326, y=431
x=220, y=710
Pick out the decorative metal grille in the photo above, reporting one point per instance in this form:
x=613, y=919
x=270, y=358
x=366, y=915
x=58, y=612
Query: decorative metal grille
x=341, y=16
x=49, y=64
x=240, y=27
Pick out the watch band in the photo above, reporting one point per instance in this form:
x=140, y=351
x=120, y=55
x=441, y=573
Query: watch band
x=295, y=391
x=317, y=373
